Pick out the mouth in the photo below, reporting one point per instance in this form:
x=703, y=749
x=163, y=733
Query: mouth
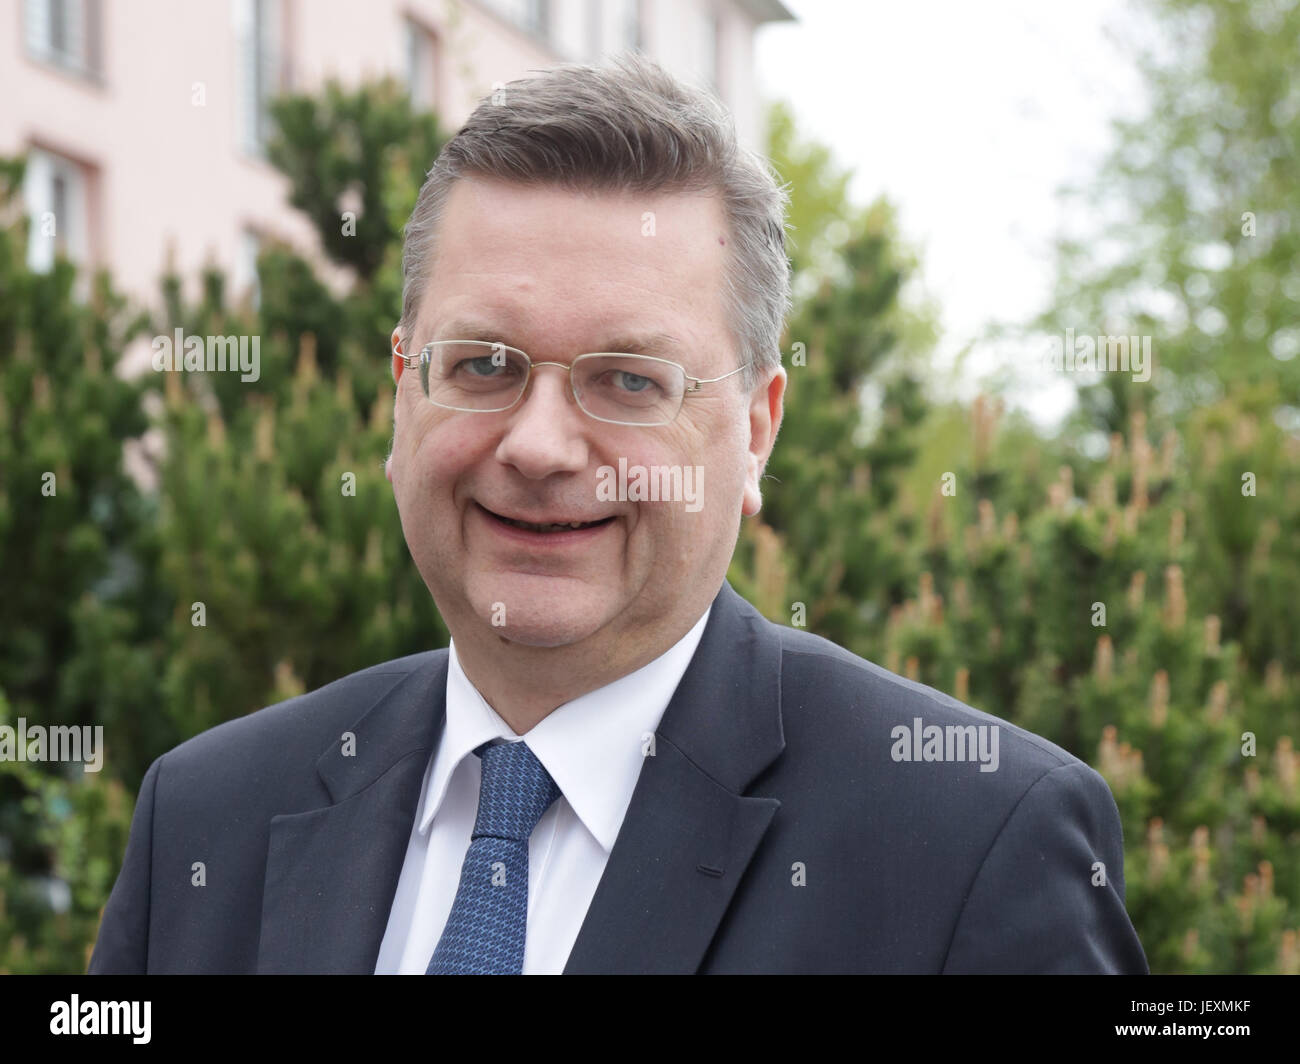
x=544, y=527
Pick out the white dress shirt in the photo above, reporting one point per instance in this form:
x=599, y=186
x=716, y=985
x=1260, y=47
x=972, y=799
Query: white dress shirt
x=593, y=749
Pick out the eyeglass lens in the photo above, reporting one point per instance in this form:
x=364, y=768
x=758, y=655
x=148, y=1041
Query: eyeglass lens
x=615, y=387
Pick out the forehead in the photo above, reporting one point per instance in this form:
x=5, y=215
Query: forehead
x=574, y=265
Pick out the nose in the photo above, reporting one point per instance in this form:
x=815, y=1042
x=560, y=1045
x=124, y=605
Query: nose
x=546, y=431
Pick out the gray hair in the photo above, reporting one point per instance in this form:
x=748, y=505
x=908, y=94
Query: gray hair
x=629, y=127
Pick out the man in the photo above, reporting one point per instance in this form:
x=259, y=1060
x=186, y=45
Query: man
x=618, y=765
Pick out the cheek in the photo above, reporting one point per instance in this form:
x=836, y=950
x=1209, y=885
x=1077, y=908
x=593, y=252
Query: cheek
x=437, y=455
x=414, y=445
x=721, y=452
x=712, y=457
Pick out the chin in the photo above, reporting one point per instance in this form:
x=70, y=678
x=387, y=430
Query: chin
x=542, y=611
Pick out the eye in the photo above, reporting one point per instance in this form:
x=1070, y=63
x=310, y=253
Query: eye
x=483, y=367
x=631, y=382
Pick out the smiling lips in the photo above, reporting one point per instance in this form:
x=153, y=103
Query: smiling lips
x=545, y=526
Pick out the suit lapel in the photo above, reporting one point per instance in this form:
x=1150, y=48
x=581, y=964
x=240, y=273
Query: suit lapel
x=689, y=833
x=686, y=841
x=331, y=873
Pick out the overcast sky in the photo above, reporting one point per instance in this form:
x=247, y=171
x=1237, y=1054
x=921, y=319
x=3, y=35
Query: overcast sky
x=968, y=115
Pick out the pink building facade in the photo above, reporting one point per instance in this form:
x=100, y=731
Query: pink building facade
x=143, y=120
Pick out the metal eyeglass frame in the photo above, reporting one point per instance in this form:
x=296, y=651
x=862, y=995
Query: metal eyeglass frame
x=692, y=383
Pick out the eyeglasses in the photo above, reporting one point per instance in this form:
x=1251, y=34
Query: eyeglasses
x=480, y=377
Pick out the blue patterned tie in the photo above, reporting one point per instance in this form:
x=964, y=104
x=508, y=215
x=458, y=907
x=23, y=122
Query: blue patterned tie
x=489, y=918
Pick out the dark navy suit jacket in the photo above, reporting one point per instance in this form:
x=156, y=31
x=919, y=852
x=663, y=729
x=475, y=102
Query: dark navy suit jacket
x=772, y=830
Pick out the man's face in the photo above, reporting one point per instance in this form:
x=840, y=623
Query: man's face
x=556, y=274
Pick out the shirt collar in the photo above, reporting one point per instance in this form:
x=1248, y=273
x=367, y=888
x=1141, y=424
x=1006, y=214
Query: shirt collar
x=593, y=746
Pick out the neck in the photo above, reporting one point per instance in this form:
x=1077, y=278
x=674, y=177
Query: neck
x=525, y=684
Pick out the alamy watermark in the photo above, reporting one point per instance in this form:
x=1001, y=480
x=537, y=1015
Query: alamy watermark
x=195, y=354
x=62, y=742
x=638, y=483
x=953, y=742
x=1100, y=354
x=102, y=1017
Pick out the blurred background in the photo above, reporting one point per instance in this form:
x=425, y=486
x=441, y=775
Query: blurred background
x=1104, y=553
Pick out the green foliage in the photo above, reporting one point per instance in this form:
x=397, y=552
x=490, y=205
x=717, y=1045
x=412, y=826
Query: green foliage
x=1203, y=193
x=280, y=542
x=1201, y=196
x=826, y=540
x=76, y=824
x=360, y=152
x=70, y=521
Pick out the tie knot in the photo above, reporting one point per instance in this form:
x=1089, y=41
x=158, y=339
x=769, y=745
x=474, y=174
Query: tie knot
x=516, y=790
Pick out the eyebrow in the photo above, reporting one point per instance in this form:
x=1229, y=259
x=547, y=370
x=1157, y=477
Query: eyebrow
x=656, y=343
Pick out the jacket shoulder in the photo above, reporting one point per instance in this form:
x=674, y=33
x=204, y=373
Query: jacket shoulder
x=859, y=696
x=299, y=727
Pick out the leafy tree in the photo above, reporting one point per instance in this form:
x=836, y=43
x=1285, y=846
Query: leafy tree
x=281, y=545
x=72, y=602
x=1193, y=239
x=824, y=550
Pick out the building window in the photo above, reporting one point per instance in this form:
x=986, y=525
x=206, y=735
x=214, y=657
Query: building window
x=708, y=37
x=532, y=16
x=420, y=57
x=258, y=25
x=245, y=280
x=537, y=17
x=627, y=22
x=64, y=33
x=56, y=195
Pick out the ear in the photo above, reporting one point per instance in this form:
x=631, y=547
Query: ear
x=398, y=363
x=766, y=408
